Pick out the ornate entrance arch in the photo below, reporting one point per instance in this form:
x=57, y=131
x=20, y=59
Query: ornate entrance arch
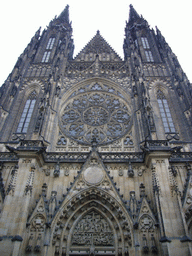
x=92, y=223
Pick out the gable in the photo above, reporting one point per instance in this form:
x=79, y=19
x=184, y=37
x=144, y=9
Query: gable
x=97, y=47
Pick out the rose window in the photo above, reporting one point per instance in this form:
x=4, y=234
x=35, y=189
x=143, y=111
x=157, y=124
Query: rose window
x=99, y=115
x=96, y=116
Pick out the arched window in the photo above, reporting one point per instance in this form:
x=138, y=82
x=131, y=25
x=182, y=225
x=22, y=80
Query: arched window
x=27, y=113
x=49, y=47
x=165, y=113
x=148, y=53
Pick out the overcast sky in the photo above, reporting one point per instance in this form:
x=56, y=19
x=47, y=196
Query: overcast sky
x=20, y=19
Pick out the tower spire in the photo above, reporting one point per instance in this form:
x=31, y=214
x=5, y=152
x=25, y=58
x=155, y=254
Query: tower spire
x=64, y=16
x=133, y=15
x=62, y=19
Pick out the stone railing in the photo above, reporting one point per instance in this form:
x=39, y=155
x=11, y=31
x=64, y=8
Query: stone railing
x=30, y=144
x=8, y=157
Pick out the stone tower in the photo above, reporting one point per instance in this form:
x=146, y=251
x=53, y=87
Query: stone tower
x=96, y=151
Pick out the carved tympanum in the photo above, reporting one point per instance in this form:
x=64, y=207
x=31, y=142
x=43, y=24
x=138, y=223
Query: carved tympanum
x=93, y=229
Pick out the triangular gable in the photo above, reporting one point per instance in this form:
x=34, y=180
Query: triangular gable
x=39, y=215
x=94, y=174
x=146, y=218
x=98, y=46
x=93, y=193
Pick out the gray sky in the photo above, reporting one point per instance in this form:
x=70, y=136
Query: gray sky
x=20, y=19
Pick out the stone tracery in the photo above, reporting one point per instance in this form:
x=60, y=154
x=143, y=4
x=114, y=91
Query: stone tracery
x=95, y=114
x=91, y=218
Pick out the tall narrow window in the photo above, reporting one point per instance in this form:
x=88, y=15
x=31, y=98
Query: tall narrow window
x=46, y=56
x=149, y=56
x=145, y=43
x=146, y=47
x=27, y=113
x=50, y=43
x=165, y=113
x=49, y=47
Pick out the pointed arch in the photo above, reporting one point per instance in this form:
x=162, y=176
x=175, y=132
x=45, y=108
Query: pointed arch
x=93, y=228
x=165, y=112
x=70, y=217
x=27, y=113
x=49, y=47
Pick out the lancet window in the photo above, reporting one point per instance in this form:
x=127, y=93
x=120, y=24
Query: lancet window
x=27, y=113
x=146, y=47
x=165, y=113
x=145, y=43
x=49, y=47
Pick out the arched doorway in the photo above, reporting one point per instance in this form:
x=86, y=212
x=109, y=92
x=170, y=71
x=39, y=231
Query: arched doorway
x=92, y=223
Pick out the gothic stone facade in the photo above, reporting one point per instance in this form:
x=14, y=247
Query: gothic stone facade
x=95, y=151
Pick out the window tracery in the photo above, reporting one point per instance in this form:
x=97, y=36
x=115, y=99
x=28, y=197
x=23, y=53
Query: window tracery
x=148, y=53
x=27, y=113
x=49, y=47
x=165, y=113
x=95, y=114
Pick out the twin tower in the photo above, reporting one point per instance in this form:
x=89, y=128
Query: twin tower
x=96, y=151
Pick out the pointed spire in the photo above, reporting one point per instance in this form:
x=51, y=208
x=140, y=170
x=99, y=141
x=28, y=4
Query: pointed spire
x=133, y=15
x=64, y=16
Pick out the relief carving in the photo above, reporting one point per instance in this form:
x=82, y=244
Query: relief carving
x=93, y=229
x=146, y=223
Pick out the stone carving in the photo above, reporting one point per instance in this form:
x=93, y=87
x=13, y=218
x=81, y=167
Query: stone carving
x=62, y=141
x=47, y=171
x=93, y=229
x=106, y=184
x=130, y=171
x=93, y=175
x=29, y=185
x=18, y=136
x=80, y=185
x=155, y=179
x=95, y=114
x=12, y=184
x=146, y=223
x=172, y=181
x=30, y=242
x=38, y=242
x=66, y=172
x=120, y=171
x=56, y=172
x=52, y=203
x=38, y=223
x=128, y=141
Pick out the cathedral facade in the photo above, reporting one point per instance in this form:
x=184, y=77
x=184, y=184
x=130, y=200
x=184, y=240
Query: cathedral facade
x=95, y=150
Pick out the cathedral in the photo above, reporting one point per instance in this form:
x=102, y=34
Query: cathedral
x=96, y=150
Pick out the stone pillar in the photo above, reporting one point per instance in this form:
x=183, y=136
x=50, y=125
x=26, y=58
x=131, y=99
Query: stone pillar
x=170, y=217
x=16, y=204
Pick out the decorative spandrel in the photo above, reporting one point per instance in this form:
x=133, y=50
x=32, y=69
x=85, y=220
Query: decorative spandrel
x=92, y=229
x=97, y=114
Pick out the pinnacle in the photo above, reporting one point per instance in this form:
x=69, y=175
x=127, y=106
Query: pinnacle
x=65, y=14
x=133, y=15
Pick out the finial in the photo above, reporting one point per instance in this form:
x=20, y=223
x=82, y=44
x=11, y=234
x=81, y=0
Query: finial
x=98, y=32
